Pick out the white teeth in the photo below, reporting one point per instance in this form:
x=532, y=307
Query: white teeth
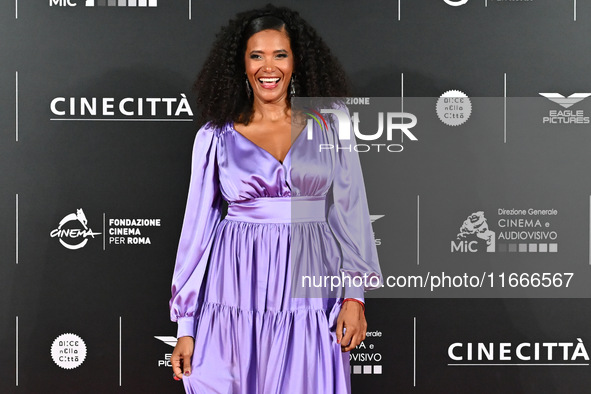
x=269, y=80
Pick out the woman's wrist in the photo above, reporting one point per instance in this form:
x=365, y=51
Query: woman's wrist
x=355, y=300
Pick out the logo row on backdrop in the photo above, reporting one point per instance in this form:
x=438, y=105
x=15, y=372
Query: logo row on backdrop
x=515, y=230
x=453, y=108
x=69, y=351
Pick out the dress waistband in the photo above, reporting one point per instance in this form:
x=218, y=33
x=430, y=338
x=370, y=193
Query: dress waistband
x=278, y=209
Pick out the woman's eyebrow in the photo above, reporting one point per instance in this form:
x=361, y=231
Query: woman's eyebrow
x=261, y=51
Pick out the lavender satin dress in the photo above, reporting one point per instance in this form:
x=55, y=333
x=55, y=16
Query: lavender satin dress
x=231, y=287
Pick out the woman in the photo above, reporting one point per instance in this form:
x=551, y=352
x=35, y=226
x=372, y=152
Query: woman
x=240, y=329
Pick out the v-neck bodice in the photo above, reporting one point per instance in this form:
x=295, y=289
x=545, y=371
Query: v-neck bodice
x=263, y=149
x=247, y=171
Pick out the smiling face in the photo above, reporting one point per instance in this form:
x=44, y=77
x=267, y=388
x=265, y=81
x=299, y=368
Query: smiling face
x=268, y=61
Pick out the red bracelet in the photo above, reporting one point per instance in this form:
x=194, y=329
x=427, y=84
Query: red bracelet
x=353, y=299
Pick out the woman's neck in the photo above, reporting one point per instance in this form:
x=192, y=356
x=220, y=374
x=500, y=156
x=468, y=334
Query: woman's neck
x=270, y=112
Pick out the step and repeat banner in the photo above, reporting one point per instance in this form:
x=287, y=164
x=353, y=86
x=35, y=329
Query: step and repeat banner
x=472, y=125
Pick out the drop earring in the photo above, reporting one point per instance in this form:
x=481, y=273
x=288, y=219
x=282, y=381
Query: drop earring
x=292, y=90
x=248, y=89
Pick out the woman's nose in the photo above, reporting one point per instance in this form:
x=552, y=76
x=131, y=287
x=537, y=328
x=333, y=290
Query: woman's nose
x=269, y=66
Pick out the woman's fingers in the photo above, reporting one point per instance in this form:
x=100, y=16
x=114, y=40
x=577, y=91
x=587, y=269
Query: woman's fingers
x=356, y=339
x=187, y=366
x=339, y=329
x=348, y=337
x=175, y=360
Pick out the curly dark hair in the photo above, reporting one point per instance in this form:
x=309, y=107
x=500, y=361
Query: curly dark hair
x=220, y=85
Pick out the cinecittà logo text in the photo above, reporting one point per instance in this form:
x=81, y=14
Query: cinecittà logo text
x=505, y=352
x=128, y=107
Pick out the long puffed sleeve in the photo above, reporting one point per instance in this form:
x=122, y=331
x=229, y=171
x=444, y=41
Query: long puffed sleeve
x=348, y=217
x=202, y=215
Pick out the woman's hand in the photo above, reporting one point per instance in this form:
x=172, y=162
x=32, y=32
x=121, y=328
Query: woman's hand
x=352, y=318
x=181, y=355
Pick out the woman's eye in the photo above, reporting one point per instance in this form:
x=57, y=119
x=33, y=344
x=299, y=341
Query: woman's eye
x=254, y=56
x=282, y=55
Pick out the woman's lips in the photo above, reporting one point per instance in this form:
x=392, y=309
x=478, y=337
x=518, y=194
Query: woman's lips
x=269, y=83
